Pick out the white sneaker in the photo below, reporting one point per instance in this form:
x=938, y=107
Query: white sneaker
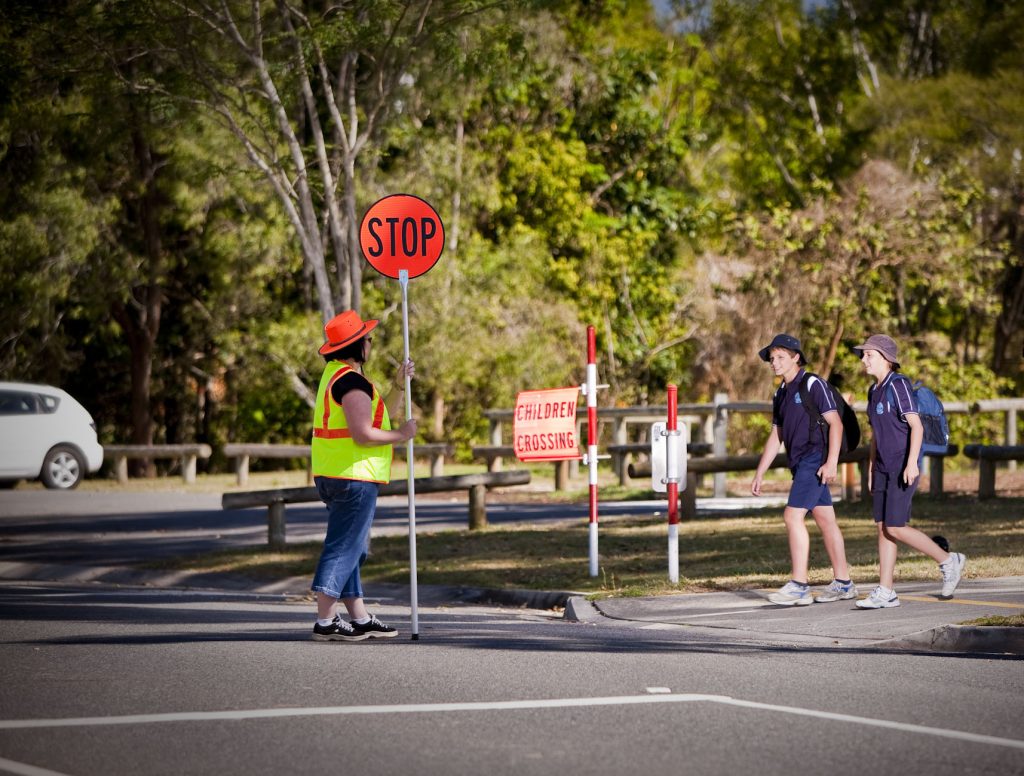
x=837, y=591
x=792, y=594
x=952, y=570
x=879, y=599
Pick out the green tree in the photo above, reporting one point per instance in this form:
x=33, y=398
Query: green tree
x=50, y=221
x=963, y=127
x=307, y=89
x=885, y=253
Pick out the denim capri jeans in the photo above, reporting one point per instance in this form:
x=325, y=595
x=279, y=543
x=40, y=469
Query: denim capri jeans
x=351, y=505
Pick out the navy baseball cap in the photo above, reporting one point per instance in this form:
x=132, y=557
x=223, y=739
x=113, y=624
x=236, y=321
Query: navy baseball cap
x=787, y=341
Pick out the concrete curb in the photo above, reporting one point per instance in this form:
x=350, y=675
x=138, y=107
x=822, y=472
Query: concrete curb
x=579, y=609
x=974, y=639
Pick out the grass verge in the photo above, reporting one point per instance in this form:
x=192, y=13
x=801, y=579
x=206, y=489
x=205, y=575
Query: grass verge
x=715, y=553
x=1013, y=621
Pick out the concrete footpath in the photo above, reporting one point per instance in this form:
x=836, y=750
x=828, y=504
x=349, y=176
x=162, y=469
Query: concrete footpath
x=922, y=623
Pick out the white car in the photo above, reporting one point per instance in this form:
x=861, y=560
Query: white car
x=45, y=434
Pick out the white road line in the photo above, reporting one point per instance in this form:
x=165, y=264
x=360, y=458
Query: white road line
x=10, y=766
x=553, y=703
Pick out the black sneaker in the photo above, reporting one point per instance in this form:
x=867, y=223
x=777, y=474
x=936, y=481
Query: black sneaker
x=338, y=630
x=375, y=629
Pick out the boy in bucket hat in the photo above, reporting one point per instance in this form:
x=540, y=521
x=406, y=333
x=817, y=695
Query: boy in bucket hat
x=894, y=468
x=813, y=461
x=351, y=449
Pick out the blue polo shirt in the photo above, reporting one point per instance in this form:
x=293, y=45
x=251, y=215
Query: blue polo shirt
x=888, y=406
x=801, y=437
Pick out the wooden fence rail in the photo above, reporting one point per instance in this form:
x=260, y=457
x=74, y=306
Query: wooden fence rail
x=736, y=463
x=707, y=423
x=187, y=454
x=987, y=456
x=244, y=451
x=476, y=485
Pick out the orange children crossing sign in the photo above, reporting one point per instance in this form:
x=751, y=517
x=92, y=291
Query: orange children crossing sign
x=401, y=232
x=544, y=425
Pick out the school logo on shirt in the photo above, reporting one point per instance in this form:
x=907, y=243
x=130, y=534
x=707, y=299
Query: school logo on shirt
x=879, y=409
x=797, y=399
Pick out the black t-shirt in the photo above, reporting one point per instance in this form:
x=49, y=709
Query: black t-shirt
x=352, y=381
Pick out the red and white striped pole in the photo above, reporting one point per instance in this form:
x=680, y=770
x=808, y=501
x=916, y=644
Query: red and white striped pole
x=591, y=389
x=672, y=468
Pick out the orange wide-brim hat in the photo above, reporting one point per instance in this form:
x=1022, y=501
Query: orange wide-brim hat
x=344, y=329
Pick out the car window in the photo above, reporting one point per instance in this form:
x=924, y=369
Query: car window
x=18, y=403
x=48, y=404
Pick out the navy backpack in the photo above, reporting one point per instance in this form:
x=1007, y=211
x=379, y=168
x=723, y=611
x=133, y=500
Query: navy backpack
x=933, y=418
x=851, y=427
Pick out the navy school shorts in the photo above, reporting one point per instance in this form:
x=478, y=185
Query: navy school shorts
x=807, y=491
x=891, y=498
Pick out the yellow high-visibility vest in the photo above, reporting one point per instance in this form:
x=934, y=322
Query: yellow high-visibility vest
x=335, y=453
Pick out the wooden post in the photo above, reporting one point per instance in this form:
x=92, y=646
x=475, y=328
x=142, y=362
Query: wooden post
x=242, y=469
x=1011, y=435
x=719, y=440
x=477, y=507
x=188, y=468
x=494, y=464
x=986, y=478
x=436, y=464
x=688, y=498
x=121, y=467
x=848, y=481
x=276, y=525
x=936, y=468
x=561, y=475
x=699, y=433
x=620, y=437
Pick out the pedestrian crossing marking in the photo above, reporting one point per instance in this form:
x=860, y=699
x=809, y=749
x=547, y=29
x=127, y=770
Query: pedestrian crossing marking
x=516, y=705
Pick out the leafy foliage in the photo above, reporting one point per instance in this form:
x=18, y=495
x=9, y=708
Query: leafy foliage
x=689, y=180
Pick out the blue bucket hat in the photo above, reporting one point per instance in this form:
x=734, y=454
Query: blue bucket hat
x=786, y=341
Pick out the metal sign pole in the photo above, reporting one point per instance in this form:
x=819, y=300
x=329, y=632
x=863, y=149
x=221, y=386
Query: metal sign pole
x=403, y=279
x=672, y=467
x=591, y=390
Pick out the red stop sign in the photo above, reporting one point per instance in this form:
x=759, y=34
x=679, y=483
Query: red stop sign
x=401, y=232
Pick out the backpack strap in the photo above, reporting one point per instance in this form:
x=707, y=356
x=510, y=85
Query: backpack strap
x=805, y=399
x=777, y=407
x=890, y=394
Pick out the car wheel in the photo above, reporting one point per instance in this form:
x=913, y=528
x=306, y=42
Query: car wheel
x=62, y=468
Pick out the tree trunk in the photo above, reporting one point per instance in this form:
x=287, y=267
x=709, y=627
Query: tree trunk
x=354, y=274
x=438, y=417
x=141, y=320
x=1009, y=321
x=460, y=144
x=833, y=346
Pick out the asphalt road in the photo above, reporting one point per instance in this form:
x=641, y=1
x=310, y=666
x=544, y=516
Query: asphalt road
x=94, y=528
x=115, y=679
x=97, y=680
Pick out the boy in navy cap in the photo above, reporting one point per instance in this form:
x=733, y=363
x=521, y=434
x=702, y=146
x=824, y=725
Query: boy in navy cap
x=813, y=460
x=894, y=470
